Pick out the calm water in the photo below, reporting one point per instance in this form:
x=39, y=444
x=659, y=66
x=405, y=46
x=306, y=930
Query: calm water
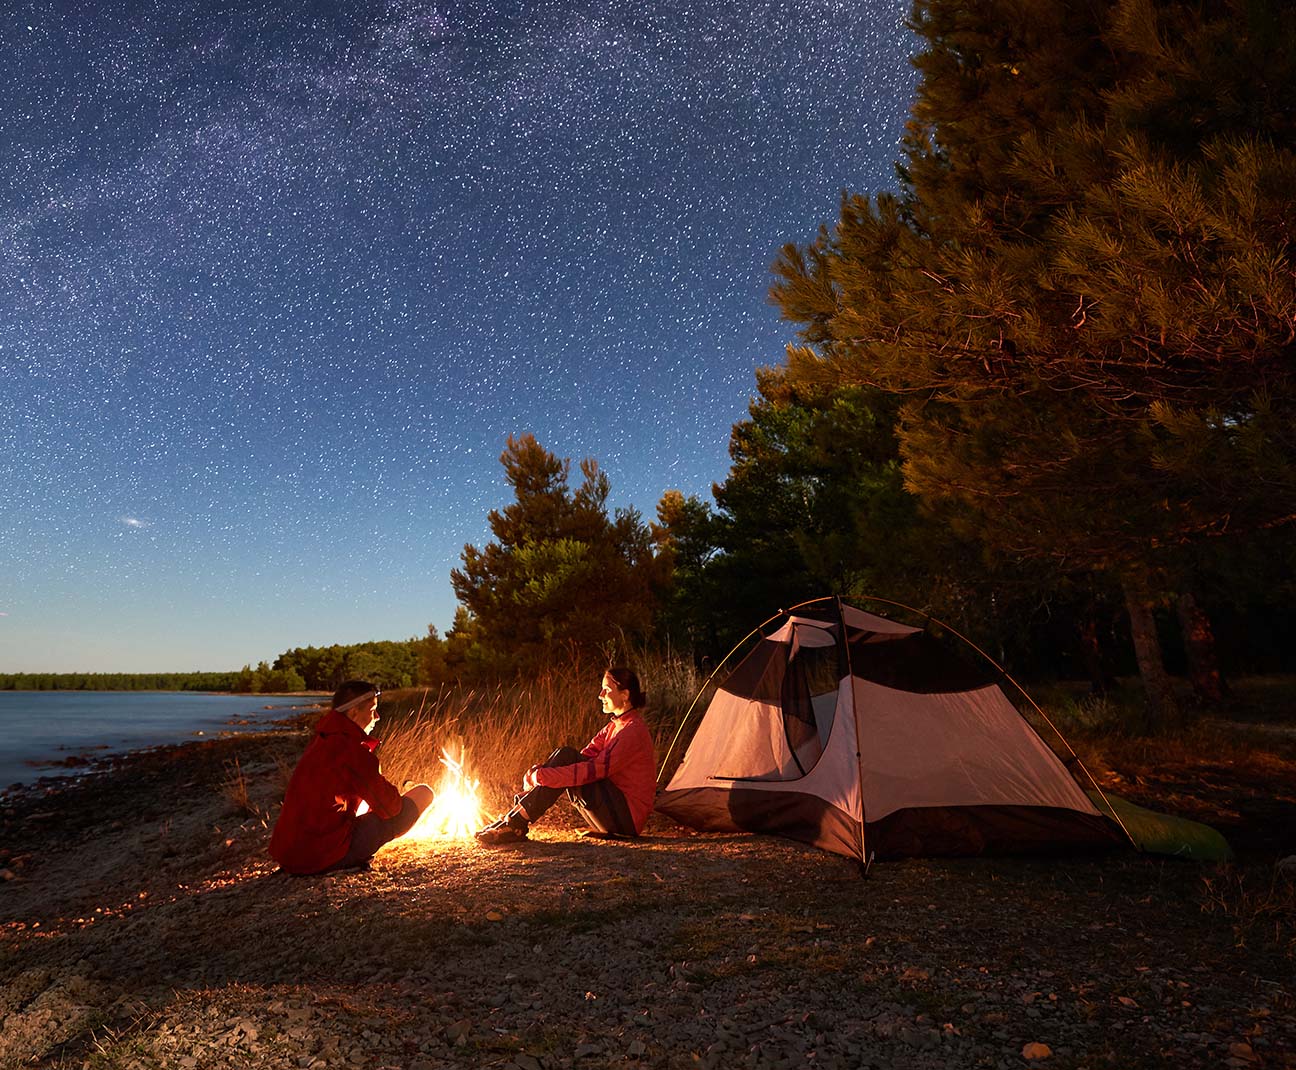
x=49, y=726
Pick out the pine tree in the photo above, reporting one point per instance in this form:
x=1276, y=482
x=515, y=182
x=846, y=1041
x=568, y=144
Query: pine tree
x=1084, y=295
x=561, y=574
x=431, y=659
x=684, y=543
x=815, y=503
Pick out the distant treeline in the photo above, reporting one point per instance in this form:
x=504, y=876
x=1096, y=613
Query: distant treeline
x=387, y=663
x=117, y=681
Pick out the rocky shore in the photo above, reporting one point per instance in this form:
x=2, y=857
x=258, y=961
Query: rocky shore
x=144, y=926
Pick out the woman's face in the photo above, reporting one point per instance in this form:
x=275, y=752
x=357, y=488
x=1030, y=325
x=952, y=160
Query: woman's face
x=615, y=699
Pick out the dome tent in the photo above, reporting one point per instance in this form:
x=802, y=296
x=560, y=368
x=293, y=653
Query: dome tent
x=870, y=738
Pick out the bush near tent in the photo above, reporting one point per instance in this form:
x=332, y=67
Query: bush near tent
x=873, y=739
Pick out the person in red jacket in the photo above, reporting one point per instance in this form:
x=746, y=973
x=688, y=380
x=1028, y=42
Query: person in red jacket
x=318, y=828
x=612, y=781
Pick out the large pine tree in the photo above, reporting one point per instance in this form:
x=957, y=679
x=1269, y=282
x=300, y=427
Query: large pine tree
x=1084, y=294
x=562, y=576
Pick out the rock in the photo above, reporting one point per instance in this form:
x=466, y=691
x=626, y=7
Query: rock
x=1036, y=1050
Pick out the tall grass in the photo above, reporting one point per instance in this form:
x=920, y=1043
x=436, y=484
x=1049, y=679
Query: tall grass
x=505, y=728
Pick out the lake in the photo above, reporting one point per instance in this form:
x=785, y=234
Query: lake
x=51, y=726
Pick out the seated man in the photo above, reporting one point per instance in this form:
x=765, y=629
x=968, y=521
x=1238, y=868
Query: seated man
x=318, y=829
x=612, y=781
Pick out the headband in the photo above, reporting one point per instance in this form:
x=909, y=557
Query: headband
x=357, y=701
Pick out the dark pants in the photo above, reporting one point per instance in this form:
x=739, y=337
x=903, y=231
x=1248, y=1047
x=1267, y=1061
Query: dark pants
x=372, y=831
x=601, y=803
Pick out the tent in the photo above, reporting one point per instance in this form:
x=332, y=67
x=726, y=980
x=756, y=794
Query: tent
x=870, y=738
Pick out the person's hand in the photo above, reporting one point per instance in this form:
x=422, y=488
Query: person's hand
x=529, y=781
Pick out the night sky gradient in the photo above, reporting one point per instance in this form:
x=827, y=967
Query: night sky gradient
x=279, y=279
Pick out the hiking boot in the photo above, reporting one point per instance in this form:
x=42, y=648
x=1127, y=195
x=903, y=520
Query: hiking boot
x=511, y=828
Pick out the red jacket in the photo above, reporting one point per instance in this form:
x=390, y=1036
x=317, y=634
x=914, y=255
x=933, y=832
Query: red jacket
x=335, y=773
x=622, y=752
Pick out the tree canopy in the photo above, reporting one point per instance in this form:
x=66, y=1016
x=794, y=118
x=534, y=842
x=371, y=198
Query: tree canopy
x=1083, y=297
x=386, y=663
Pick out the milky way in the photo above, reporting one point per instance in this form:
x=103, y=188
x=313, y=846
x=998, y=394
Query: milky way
x=279, y=279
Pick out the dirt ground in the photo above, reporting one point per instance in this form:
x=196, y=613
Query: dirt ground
x=143, y=925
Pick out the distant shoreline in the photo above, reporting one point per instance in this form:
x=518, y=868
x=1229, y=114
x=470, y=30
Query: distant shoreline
x=54, y=736
x=161, y=691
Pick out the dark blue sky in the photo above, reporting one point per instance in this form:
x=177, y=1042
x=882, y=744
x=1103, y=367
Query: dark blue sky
x=279, y=279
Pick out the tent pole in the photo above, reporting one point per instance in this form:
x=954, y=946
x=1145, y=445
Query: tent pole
x=844, y=640
x=1026, y=695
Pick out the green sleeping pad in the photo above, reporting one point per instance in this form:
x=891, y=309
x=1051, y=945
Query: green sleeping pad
x=1163, y=834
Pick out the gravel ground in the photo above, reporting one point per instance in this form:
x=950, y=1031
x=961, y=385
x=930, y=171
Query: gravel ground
x=144, y=926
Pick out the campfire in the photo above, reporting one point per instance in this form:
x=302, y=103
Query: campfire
x=456, y=812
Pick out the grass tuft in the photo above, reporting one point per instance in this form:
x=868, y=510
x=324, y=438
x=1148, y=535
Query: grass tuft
x=234, y=787
x=1259, y=907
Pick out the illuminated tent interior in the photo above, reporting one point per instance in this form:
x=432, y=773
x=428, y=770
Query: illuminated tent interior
x=873, y=739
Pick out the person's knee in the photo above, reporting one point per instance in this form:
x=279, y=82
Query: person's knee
x=564, y=756
x=421, y=796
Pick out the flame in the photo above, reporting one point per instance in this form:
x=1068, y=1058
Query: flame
x=456, y=811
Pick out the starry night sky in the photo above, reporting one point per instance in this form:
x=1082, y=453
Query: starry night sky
x=278, y=279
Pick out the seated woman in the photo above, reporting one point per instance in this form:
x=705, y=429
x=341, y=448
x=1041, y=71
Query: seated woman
x=612, y=781
x=318, y=828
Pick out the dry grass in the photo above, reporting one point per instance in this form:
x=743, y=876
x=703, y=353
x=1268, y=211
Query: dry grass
x=1143, y=757
x=283, y=772
x=234, y=787
x=1260, y=906
x=504, y=729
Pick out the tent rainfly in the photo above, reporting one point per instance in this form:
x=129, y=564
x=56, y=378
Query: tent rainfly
x=872, y=739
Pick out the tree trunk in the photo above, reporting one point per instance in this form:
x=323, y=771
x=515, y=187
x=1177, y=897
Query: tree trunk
x=1199, y=646
x=1091, y=654
x=1164, y=714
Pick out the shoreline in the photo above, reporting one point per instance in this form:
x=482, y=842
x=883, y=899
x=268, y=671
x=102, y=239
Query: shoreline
x=72, y=762
x=159, y=691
